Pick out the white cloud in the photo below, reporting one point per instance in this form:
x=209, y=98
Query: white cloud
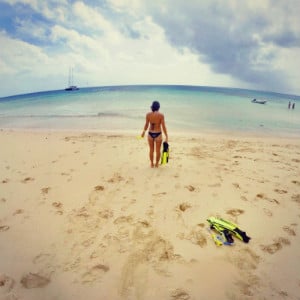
x=90, y=18
x=29, y=28
x=131, y=7
x=254, y=44
x=19, y=55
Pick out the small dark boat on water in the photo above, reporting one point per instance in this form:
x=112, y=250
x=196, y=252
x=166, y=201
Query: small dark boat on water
x=259, y=101
x=71, y=87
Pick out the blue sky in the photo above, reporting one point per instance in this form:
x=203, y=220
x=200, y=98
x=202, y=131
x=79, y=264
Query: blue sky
x=246, y=44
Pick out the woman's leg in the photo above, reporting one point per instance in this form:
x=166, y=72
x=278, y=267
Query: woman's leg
x=151, y=150
x=158, y=142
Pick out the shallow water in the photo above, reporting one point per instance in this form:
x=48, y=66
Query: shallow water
x=123, y=108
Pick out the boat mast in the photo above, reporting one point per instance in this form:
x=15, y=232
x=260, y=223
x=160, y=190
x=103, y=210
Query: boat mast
x=70, y=76
x=71, y=87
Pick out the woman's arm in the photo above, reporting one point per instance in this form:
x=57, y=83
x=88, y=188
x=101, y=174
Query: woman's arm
x=164, y=128
x=146, y=126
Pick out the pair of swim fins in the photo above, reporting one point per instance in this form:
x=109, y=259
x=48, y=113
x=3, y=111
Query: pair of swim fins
x=219, y=239
x=165, y=153
x=227, y=229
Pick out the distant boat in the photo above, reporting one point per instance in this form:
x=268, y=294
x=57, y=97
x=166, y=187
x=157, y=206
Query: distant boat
x=259, y=101
x=71, y=87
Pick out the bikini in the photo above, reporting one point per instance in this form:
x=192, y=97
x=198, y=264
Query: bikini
x=154, y=135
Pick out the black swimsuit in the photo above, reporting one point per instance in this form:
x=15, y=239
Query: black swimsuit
x=154, y=135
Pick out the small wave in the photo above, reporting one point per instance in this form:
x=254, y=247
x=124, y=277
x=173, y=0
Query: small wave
x=110, y=114
x=45, y=116
x=65, y=116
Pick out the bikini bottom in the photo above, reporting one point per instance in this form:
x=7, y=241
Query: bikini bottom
x=154, y=135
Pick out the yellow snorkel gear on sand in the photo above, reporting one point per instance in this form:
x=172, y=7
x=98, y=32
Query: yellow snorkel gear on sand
x=227, y=229
x=165, y=153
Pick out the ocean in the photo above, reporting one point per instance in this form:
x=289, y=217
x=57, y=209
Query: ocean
x=187, y=109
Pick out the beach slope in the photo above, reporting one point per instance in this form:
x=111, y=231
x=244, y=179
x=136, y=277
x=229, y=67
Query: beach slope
x=83, y=216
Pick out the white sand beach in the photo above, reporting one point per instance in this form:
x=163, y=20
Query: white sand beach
x=83, y=216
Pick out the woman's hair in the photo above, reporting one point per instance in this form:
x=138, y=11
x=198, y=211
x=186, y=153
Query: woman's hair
x=155, y=106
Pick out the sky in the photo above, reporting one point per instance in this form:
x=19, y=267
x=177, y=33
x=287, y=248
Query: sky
x=253, y=44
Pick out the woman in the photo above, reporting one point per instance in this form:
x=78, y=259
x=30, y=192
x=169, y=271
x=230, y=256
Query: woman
x=155, y=123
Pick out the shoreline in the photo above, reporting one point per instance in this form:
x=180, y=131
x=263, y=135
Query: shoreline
x=182, y=134
x=82, y=215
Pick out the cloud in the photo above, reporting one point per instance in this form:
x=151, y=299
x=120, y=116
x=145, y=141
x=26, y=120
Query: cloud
x=239, y=38
x=19, y=53
x=90, y=18
x=246, y=44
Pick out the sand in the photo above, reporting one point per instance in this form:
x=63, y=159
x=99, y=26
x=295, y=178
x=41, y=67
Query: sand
x=83, y=216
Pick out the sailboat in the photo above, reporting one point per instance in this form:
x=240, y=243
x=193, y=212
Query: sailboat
x=71, y=87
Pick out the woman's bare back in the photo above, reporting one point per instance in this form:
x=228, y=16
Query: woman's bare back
x=155, y=120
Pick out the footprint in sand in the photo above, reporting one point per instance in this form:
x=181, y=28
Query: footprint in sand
x=246, y=259
x=68, y=175
x=124, y=219
x=82, y=212
x=4, y=228
x=247, y=286
x=190, y=188
x=33, y=280
x=105, y=213
x=268, y=212
x=45, y=190
x=94, y=273
x=195, y=236
x=280, y=191
x=264, y=197
x=296, y=198
x=6, y=285
x=18, y=212
x=184, y=206
x=236, y=185
x=116, y=178
x=58, y=206
x=27, y=179
x=159, y=194
x=289, y=230
x=180, y=294
x=6, y=180
x=261, y=196
x=244, y=198
x=41, y=258
x=277, y=245
x=99, y=188
x=296, y=182
x=235, y=212
x=88, y=242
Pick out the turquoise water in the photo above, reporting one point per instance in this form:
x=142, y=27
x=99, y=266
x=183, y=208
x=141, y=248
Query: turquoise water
x=123, y=108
